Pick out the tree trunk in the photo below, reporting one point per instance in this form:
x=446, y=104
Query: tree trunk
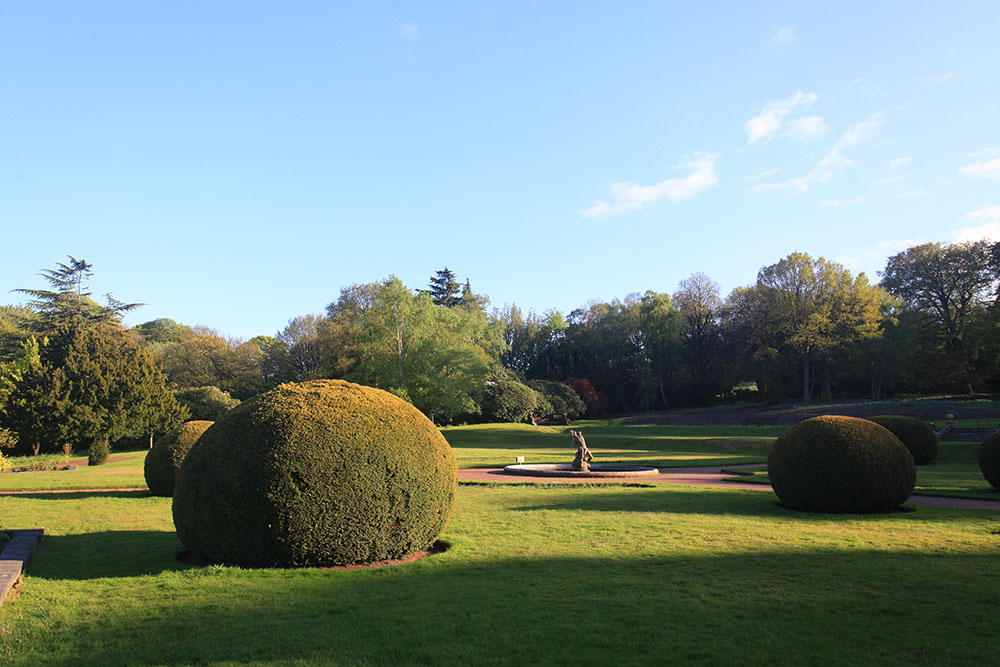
x=663, y=392
x=150, y=439
x=35, y=448
x=805, y=377
x=827, y=387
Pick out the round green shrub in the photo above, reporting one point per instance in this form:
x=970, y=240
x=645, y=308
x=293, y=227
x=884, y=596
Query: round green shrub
x=918, y=437
x=507, y=401
x=989, y=459
x=167, y=453
x=561, y=397
x=841, y=464
x=317, y=473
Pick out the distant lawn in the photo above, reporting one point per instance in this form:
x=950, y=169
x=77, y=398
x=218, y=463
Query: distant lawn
x=127, y=473
x=493, y=445
x=955, y=473
x=535, y=574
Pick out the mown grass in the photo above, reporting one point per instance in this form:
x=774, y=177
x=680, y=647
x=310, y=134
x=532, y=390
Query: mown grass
x=493, y=445
x=118, y=474
x=534, y=575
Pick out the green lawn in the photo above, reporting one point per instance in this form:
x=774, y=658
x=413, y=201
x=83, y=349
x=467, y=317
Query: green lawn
x=534, y=574
x=126, y=473
x=492, y=445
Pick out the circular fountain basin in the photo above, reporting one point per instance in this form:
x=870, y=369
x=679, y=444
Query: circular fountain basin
x=567, y=470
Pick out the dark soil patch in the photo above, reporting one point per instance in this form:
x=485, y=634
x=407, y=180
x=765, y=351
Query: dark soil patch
x=780, y=415
x=50, y=468
x=193, y=559
x=111, y=459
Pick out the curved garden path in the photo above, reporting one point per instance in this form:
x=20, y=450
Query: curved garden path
x=700, y=476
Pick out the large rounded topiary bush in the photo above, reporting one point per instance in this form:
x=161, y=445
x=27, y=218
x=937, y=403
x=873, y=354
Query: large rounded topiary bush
x=841, y=464
x=989, y=459
x=318, y=473
x=916, y=435
x=167, y=453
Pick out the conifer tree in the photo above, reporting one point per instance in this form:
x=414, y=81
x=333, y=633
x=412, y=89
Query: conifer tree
x=444, y=289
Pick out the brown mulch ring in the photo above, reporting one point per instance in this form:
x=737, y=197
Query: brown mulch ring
x=778, y=415
x=193, y=559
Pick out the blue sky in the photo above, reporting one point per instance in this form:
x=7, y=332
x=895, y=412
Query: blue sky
x=234, y=164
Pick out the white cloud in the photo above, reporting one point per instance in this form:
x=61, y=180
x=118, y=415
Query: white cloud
x=408, y=31
x=985, y=212
x=837, y=203
x=910, y=194
x=771, y=117
x=808, y=127
x=852, y=136
x=889, y=180
x=765, y=173
x=630, y=197
x=989, y=231
x=987, y=168
x=901, y=162
x=783, y=37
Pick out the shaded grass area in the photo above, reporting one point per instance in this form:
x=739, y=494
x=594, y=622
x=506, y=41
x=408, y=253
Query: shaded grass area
x=954, y=473
x=127, y=473
x=541, y=574
x=493, y=445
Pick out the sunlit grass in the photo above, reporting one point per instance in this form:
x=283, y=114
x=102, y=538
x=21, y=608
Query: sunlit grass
x=491, y=445
x=535, y=574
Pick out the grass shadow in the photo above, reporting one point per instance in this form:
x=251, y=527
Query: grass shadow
x=126, y=553
x=783, y=605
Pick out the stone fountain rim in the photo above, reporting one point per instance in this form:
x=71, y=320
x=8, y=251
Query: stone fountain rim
x=567, y=470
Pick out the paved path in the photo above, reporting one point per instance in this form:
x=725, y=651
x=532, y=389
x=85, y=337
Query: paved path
x=701, y=476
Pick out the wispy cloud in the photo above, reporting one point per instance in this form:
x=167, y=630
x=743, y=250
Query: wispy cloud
x=901, y=162
x=989, y=231
x=408, y=31
x=910, y=194
x=808, y=127
x=837, y=203
x=933, y=78
x=854, y=135
x=782, y=38
x=988, y=212
x=986, y=168
x=764, y=173
x=631, y=197
x=772, y=116
x=889, y=180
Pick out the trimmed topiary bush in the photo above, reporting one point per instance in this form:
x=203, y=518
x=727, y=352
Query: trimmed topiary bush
x=989, y=459
x=99, y=452
x=918, y=437
x=841, y=464
x=316, y=473
x=167, y=453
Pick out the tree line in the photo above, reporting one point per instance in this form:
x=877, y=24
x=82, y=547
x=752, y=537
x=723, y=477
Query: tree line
x=806, y=328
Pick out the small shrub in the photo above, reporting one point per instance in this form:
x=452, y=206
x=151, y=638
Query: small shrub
x=167, y=454
x=100, y=450
x=596, y=401
x=561, y=398
x=918, y=437
x=989, y=459
x=317, y=473
x=841, y=464
x=507, y=401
